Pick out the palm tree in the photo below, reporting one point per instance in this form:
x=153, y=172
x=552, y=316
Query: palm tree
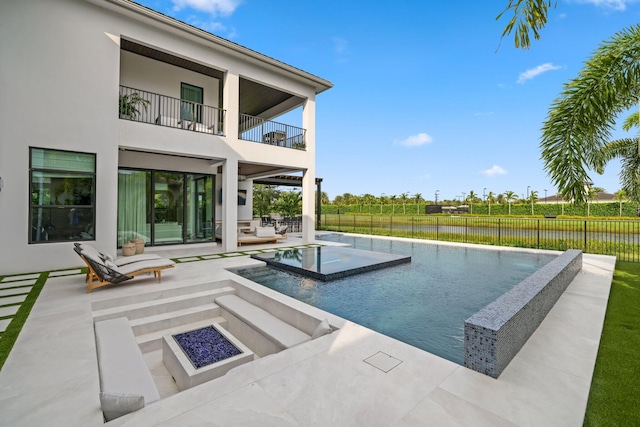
x=404, y=197
x=383, y=201
x=290, y=203
x=490, y=199
x=620, y=196
x=348, y=199
x=533, y=198
x=368, y=199
x=528, y=15
x=471, y=198
x=418, y=198
x=579, y=124
x=510, y=197
x=264, y=197
x=324, y=198
x=393, y=206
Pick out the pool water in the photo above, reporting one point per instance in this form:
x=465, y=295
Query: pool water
x=424, y=303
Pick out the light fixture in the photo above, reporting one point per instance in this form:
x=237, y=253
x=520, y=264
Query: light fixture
x=1, y=184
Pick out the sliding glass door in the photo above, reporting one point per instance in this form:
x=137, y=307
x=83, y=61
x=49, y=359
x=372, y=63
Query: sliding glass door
x=165, y=208
x=199, y=208
x=168, y=208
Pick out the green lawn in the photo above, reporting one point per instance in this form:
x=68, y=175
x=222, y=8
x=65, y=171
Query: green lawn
x=9, y=337
x=615, y=388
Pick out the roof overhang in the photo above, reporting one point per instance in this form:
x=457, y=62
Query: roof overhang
x=318, y=83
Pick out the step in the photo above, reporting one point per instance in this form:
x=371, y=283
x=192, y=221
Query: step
x=157, y=306
x=153, y=340
x=158, y=322
x=154, y=295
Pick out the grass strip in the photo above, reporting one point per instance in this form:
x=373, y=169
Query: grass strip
x=10, y=335
x=615, y=387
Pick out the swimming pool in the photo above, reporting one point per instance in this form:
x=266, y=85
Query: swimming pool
x=424, y=303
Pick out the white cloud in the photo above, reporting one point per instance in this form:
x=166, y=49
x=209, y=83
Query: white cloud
x=340, y=44
x=609, y=4
x=416, y=140
x=495, y=170
x=535, y=72
x=213, y=7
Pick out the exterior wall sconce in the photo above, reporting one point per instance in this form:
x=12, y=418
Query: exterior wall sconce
x=1, y=184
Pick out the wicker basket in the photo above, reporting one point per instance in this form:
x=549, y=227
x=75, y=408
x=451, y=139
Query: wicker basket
x=129, y=249
x=139, y=245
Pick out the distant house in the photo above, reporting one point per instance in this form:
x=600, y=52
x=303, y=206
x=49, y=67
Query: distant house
x=600, y=198
x=120, y=122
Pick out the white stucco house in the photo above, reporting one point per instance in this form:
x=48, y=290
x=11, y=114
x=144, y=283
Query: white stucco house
x=117, y=121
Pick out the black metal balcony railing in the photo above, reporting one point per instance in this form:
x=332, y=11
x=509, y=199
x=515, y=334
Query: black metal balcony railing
x=264, y=131
x=148, y=107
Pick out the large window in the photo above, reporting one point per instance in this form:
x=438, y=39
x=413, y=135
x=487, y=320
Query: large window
x=62, y=188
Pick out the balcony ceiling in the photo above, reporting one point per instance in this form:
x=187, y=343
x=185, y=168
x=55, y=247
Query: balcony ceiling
x=255, y=99
x=264, y=101
x=168, y=58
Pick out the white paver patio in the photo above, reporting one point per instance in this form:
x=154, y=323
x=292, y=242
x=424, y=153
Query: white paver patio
x=51, y=376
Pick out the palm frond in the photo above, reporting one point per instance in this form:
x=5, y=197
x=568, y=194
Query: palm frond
x=581, y=120
x=528, y=16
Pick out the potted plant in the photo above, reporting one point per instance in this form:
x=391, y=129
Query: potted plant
x=130, y=104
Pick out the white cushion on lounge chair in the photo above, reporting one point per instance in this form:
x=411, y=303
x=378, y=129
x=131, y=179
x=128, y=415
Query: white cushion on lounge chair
x=105, y=256
x=135, y=258
x=143, y=265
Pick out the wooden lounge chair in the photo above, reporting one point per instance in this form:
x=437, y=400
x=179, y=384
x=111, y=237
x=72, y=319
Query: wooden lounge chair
x=106, y=272
x=79, y=247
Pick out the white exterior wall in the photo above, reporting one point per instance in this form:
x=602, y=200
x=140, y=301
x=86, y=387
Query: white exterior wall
x=60, y=76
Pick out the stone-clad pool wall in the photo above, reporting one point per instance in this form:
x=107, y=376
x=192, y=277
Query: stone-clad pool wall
x=495, y=334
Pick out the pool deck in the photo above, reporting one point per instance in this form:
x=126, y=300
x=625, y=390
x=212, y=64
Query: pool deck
x=51, y=375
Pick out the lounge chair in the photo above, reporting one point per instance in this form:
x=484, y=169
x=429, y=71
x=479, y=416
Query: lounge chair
x=120, y=261
x=104, y=256
x=106, y=272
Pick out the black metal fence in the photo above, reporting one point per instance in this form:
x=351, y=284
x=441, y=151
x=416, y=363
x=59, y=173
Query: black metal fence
x=294, y=223
x=605, y=237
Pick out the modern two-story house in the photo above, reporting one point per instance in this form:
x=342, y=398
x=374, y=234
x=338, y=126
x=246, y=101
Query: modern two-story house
x=117, y=122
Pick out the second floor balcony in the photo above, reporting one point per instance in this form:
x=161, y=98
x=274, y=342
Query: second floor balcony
x=148, y=107
x=257, y=129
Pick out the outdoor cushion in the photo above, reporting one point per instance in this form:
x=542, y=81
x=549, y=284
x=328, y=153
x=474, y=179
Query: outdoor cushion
x=265, y=232
x=143, y=265
x=121, y=365
x=115, y=405
x=323, y=329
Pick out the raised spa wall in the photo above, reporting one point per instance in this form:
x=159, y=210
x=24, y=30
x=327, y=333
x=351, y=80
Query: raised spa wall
x=495, y=334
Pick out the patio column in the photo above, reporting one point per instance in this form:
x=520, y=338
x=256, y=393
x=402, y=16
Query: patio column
x=309, y=175
x=230, y=205
x=231, y=103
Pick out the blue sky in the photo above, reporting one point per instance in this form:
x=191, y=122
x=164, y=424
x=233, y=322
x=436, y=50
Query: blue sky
x=423, y=99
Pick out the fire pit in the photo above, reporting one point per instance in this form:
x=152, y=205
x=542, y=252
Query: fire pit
x=197, y=356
